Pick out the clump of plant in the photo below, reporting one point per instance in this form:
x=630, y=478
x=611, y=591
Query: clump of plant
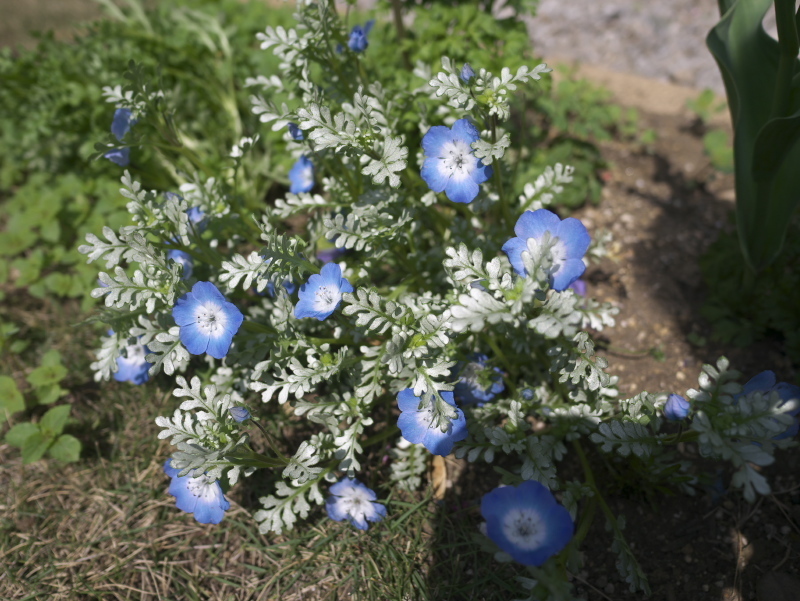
x=408, y=292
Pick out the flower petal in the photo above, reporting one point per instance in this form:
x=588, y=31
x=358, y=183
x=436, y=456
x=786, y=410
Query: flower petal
x=533, y=224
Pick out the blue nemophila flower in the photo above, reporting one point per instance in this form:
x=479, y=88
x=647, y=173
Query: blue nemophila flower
x=578, y=286
x=467, y=73
x=352, y=501
x=185, y=259
x=358, y=41
x=569, y=238
x=326, y=255
x=131, y=366
x=450, y=165
x=197, y=495
x=208, y=322
x=766, y=383
x=120, y=126
x=676, y=408
x=239, y=414
x=296, y=132
x=478, y=383
x=418, y=425
x=526, y=522
x=322, y=293
x=196, y=216
x=301, y=176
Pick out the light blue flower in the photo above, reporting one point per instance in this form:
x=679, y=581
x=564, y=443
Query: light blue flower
x=478, y=383
x=578, y=286
x=296, y=132
x=571, y=240
x=207, y=321
x=676, y=408
x=301, y=176
x=198, y=496
x=418, y=425
x=450, y=165
x=131, y=366
x=120, y=126
x=185, y=260
x=352, y=501
x=358, y=41
x=526, y=522
x=322, y=293
x=239, y=414
x=467, y=73
x=766, y=382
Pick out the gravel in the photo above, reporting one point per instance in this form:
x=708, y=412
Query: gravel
x=659, y=39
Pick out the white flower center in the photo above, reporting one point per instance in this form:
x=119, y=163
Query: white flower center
x=306, y=177
x=524, y=528
x=457, y=160
x=211, y=319
x=202, y=488
x=327, y=297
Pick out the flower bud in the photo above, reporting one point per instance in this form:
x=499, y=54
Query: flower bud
x=239, y=414
x=676, y=408
x=467, y=73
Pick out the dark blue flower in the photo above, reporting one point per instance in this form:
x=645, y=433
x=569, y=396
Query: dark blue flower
x=358, y=41
x=301, y=176
x=352, y=501
x=296, y=132
x=185, y=260
x=417, y=425
x=766, y=383
x=570, y=242
x=239, y=414
x=322, y=293
x=676, y=408
x=467, y=73
x=526, y=522
x=131, y=366
x=198, y=496
x=450, y=165
x=207, y=321
x=120, y=126
x=326, y=255
x=478, y=383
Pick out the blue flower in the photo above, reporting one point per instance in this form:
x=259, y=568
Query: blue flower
x=288, y=285
x=239, y=414
x=416, y=425
x=208, y=322
x=676, y=408
x=766, y=383
x=467, y=73
x=185, y=259
x=120, y=126
x=571, y=240
x=352, y=501
x=197, y=495
x=478, y=383
x=322, y=293
x=296, y=132
x=132, y=367
x=526, y=522
x=450, y=165
x=301, y=176
x=579, y=287
x=358, y=41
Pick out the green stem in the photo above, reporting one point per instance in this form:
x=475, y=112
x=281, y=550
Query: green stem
x=397, y=14
x=506, y=210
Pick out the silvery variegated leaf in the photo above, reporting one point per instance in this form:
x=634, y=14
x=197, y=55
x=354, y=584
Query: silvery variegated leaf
x=167, y=351
x=289, y=502
x=477, y=308
x=409, y=462
x=302, y=466
x=392, y=161
x=488, y=151
x=449, y=84
x=546, y=187
x=106, y=363
x=245, y=270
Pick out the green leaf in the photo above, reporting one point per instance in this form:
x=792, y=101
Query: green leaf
x=766, y=150
x=55, y=419
x=17, y=435
x=47, y=395
x=47, y=375
x=35, y=447
x=11, y=400
x=66, y=448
